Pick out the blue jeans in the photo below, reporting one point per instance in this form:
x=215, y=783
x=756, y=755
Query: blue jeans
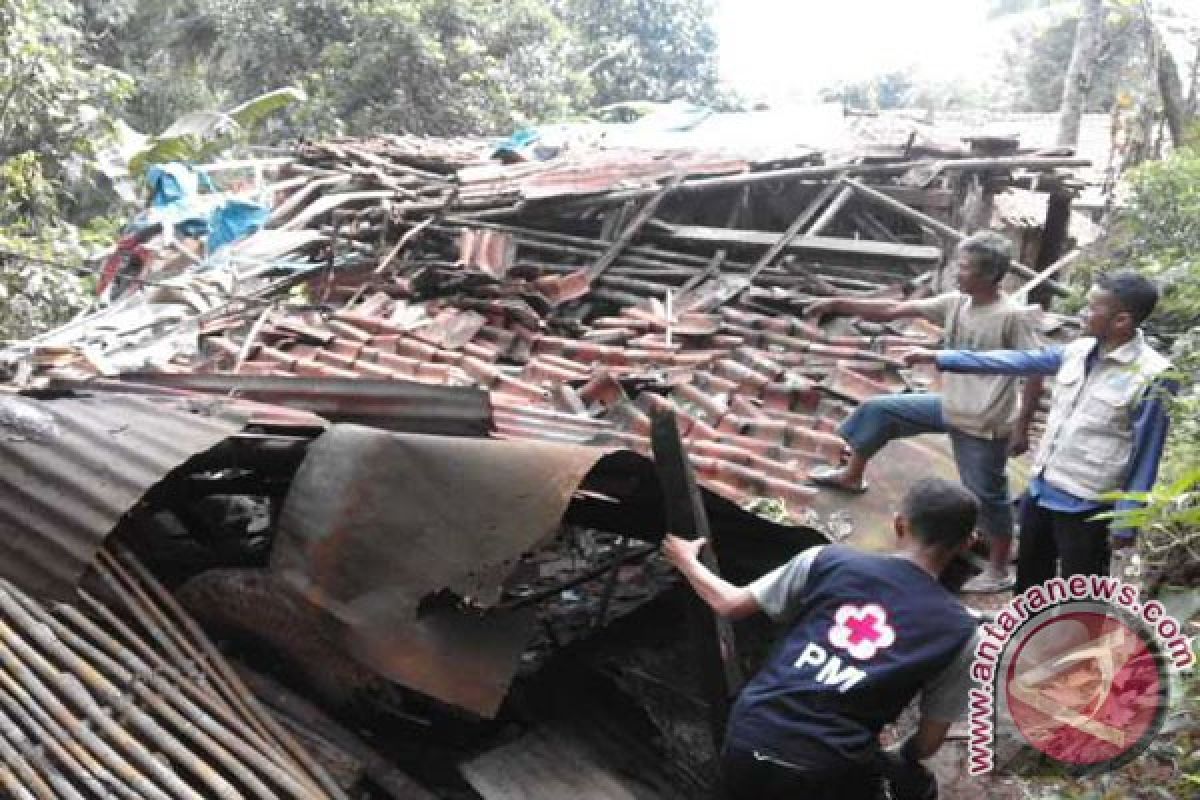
x=982, y=463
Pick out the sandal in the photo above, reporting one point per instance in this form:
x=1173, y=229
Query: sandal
x=829, y=477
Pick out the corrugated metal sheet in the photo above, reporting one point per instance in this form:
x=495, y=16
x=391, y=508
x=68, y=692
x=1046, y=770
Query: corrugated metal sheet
x=71, y=467
x=392, y=405
x=376, y=523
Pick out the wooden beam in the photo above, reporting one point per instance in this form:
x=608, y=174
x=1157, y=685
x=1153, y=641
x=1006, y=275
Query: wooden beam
x=831, y=212
x=932, y=168
x=938, y=226
x=631, y=230
x=812, y=246
x=1046, y=274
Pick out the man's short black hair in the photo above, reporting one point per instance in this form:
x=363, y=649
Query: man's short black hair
x=990, y=251
x=940, y=513
x=1135, y=293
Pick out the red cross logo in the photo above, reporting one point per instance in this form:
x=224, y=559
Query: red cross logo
x=862, y=631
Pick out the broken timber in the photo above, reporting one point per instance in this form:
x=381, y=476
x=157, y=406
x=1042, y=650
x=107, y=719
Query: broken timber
x=808, y=245
x=711, y=635
x=938, y=227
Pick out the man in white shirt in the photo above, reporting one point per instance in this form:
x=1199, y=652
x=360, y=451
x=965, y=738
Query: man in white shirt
x=980, y=413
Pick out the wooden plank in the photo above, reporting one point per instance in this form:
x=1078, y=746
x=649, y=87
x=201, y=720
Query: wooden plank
x=932, y=199
x=810, y=245
x=547, y=764
x=711, y=636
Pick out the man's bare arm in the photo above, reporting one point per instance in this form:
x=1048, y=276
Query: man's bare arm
x=929, y=736
x=1031, y=392
x=727, y=600
x=868, y=309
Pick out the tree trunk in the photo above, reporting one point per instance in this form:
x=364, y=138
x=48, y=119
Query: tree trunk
x=1079, y=72
x=1140, y=132
x=1191, y=98
x=1171, y=89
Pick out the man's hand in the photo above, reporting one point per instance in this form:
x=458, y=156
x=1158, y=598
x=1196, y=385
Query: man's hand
x=682, y=551
x=821, y=308
x=918, y=355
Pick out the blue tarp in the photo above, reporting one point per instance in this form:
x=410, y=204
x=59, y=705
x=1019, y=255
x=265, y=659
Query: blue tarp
x=233, y=220
x=177, y=200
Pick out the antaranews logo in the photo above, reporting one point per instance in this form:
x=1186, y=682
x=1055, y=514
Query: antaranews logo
x=1079, y=669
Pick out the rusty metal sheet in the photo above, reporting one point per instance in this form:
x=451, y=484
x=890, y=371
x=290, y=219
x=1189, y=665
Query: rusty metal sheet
x=378, y=527
x=256, y=414
x=71, y=467
x=376, y=522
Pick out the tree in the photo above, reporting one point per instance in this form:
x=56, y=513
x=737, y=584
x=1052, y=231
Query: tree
x=55, y=110
x=1175, y=108
x=54, y=106
x=167, y=46
x=1036, y=64
x=658, y=50
x=423, y=66
x=1079, y=72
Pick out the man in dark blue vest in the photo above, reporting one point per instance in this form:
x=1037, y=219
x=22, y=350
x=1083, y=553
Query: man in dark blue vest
x=864, y=634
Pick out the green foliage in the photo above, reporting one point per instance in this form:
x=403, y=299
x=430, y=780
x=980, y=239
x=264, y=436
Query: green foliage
x=56, y=111
x=55, y=108
x=1158, y=233
x=200, y=135
x=422, y=66
x=660, y=50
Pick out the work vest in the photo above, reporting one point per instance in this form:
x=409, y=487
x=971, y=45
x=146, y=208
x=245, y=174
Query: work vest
x=1088, y=441
x=870, y=632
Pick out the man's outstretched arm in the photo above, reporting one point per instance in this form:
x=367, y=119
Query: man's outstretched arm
x=873, y=309
x=727, y=600
x=1045, y=361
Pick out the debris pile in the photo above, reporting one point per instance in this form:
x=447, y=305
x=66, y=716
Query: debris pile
x=583, y=293
x=401, y=434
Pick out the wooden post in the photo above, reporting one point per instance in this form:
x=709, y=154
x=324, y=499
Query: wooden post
x=1053, y=241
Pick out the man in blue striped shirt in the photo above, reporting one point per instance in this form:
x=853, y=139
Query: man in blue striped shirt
x=1105, y=432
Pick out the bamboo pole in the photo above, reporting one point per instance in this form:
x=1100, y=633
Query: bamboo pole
x=198, y=727
x=221, y=673
x=85, y=770
x=31, y=686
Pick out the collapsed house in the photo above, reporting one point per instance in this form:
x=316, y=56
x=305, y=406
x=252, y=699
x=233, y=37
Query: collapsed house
x=405, y=443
